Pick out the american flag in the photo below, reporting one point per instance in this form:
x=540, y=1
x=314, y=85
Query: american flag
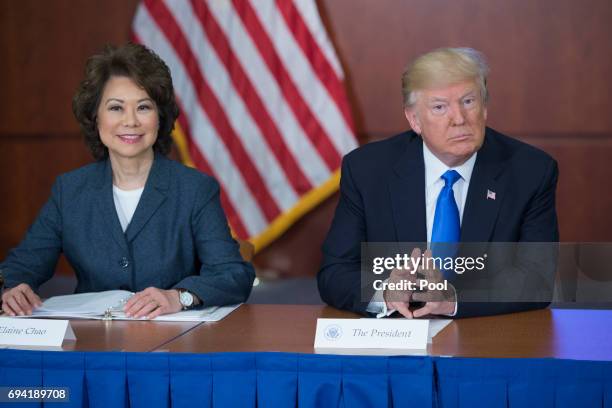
x=262, y=99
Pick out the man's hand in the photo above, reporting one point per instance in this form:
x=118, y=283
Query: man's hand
x=400, y=300
x=153, y=302
x=436, y=302
x=20, y=300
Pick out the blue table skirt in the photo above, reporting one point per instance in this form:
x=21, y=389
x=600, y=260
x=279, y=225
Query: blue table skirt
x=113, y=379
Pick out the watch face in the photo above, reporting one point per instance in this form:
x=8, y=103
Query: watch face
x=186, y=299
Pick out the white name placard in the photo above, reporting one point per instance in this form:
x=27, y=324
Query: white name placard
x=34, y=332
x=400, y=334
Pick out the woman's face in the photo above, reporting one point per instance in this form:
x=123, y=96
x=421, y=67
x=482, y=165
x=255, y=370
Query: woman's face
x=128, y=120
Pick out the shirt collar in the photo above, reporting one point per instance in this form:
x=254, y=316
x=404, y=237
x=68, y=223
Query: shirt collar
x=435, y=168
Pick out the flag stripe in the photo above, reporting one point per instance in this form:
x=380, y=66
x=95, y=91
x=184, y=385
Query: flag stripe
x=196, y=159
x=200, y=163
x=253, y=103
x=263, y=108
x=310, y=14
x=306, y=118
x=268, y=89
x=313, y=92
x=234, y=108
x=202, y=132
x=321, y=66
x=211, y=105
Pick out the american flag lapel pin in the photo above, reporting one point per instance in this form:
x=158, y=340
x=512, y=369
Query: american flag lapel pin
x=490, y=195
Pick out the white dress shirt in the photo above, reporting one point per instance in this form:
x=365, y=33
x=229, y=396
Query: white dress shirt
x=126, y=202
x=434, y=169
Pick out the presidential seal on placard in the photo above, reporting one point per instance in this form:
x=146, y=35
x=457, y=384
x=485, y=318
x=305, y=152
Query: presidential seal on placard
x=333, y=332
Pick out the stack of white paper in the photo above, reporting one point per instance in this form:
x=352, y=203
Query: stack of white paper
x=205, y=314
x=109, y=304
x=84, y=305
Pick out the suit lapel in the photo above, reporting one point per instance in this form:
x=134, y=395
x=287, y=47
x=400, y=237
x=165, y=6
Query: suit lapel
x=153, y=195
x=407, y=191
x=106, y=204
x=485, y=193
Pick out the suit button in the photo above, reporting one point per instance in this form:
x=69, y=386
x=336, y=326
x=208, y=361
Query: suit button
x=124, y=263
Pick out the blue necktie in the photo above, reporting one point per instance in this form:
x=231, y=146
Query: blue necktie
x=446, y=226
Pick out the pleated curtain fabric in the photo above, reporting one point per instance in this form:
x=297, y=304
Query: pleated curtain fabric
x=150, y=380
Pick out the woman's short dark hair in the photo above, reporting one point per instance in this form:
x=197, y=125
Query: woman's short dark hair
x=144, y=67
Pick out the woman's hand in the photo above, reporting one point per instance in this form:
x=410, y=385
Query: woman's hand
x=153, y=302
x=20, y=300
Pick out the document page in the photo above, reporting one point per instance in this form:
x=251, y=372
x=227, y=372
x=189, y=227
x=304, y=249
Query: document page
x=83, y=304
x=205, y=314
x=109, y=305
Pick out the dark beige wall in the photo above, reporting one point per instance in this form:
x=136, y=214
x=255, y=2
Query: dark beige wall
x=550, y=66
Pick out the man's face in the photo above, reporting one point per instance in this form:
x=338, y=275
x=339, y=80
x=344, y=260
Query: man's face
x=451, y=120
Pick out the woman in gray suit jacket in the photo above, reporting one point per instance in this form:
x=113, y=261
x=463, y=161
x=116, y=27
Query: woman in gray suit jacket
x=132, y=220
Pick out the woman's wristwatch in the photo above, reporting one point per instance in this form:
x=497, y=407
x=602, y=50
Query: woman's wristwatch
x=187, y=299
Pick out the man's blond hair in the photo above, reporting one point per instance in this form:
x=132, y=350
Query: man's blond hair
x=442, y=67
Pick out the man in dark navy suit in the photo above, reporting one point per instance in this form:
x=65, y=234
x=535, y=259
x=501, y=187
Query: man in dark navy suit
x=449, y=180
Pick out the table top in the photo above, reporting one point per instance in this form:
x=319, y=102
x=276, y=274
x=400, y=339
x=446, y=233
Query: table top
x=578, y=334
x=557, y=333
x=288, y=328
x=121, y=335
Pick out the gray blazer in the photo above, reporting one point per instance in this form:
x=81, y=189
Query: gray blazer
x=178, y=236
